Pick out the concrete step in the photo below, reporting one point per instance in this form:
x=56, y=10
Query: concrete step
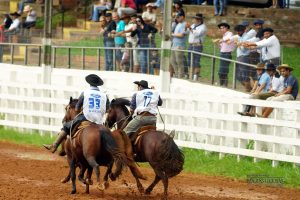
x=88, y=25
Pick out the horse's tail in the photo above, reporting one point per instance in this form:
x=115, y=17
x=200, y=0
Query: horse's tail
x=170, y=157
x=110, y=145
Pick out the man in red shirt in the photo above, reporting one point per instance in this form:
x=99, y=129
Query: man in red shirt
x=127, y=7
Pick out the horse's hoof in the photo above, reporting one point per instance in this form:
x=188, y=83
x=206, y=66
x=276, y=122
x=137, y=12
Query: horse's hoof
x=112, y=177
x=148, y=191
x=65, y=180
x=106, y=184
x=82, y=180
x=89, y=181
x=73, y=192
x=100, y=187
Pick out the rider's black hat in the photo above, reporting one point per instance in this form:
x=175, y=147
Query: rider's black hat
x=94, y=80
x=142, y=83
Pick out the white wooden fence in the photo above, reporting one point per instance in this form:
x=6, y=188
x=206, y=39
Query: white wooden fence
x=203, y=116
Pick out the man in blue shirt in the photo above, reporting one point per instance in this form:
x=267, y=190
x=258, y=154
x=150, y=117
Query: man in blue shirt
x=261, y=85
x=289, y=92
x=178, y=43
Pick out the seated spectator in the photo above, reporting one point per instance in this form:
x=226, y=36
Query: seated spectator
x=22, y=4
x=128, y=7
x=262, y=85
x=30, y=18
x=102, y=6
x=289, y=92
x=7, y=21
x=15, y=26
x=149, y=16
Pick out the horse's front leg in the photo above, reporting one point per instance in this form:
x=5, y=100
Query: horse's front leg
x=73, y=176
x=67, y=178
x=81, y=174
x=88, y=180
x=152, y=185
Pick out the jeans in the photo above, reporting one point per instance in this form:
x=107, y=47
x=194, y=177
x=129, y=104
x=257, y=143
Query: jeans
x=72, y=124
x=125, y=11
x=160, y=3
x=95, y=12
x=143, y=58
x=108, y=54
x=219, y=9
x=197, y=2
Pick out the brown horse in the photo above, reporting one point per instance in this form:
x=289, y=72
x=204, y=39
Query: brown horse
x=92, y=148
x=155, y=147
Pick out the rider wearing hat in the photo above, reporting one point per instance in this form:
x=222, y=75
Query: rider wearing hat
x=93, y=102
x=143, y=107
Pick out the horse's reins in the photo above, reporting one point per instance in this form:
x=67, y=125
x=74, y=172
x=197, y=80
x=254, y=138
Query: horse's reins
x=126, y=117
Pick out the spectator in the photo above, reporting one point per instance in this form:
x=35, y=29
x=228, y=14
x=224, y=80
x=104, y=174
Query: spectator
x=270, y=47
x=102, y=6
x=219, y=7
x=226, y=48
x=108, y=41
x=125, y=62
x=289, y=92
x=159, y=4
x=119, y=36
x=197, y=32
x=178, y=43
x=178, y=9
x=258, y=24
x=6, y=22
x=149, y=16
x=145, y=33
x=262, y=85
x=15, y=26
x=30, y=18
x=22, y=4
x=128, y=7
x=248, y=30
x=242, y=71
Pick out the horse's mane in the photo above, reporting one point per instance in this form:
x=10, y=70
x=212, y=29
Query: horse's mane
x=122, y=103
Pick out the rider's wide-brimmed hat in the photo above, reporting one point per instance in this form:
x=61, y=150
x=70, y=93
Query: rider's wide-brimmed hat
x=94, y=80
x=142, y=83
x=285, y=66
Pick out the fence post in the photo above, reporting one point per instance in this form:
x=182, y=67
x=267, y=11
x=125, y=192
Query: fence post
x=191, y=64
x=213, y=70
x=82, y=58
x=234, y=76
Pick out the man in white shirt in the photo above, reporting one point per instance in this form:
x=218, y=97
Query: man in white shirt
x=15, y=26
x=143, y=107
x=270, y=47
x=93, y=102
x=30, y=18
x=149, y=16
x=197, y=32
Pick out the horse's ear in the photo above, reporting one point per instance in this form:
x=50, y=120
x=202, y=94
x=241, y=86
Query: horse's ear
x=71, y=100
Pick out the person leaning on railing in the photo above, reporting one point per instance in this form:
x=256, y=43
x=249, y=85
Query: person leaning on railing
x=15, y=26
x=289, y=92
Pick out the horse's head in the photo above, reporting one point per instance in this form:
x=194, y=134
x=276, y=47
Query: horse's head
x=70, y=112
x=117, y=111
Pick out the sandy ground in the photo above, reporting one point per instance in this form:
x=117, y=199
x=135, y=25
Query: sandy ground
x=28, y=172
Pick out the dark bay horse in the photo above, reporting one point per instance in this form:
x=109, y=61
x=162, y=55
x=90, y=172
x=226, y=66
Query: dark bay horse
x=155, y=147
x=94, y=147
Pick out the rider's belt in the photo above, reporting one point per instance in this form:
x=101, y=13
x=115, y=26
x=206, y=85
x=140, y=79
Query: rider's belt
x=196, y=44
x=146, y=114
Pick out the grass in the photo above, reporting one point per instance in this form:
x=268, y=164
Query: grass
x=69, y=20
x=196, y=161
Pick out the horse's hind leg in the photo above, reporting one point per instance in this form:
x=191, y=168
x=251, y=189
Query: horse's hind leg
x=138, y=183
x=153, y=184
x=92, y=162
x=73, y=176
x=88, y=180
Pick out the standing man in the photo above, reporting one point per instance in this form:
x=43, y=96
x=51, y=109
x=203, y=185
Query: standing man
x=289, y=92
x=143, y=107
x=270, y=47
x=226, y=48
x=242, y=71
x=93, y=102
x=197, y=32
x=119, y=37
x=108, y=41
x=178, y=43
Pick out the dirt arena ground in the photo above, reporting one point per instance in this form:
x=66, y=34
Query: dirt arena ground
x=28, y=172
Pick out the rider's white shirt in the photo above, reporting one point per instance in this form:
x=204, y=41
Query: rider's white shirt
x=94, y=105
x=146, y=101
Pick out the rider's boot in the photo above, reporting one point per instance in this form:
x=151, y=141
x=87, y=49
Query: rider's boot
x=53, y=147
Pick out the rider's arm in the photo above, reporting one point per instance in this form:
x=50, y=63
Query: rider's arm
x=133, y=103
x=160, y=101
x=79, y=103
x=107, y=103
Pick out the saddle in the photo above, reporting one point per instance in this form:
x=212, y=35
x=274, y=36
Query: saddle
x=77, y=130
x=135, y=138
